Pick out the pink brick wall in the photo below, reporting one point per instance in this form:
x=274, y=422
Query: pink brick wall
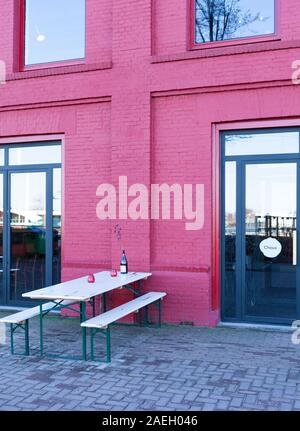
x=144, y=105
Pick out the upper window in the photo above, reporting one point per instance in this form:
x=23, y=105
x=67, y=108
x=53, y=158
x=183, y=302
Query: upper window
x=262, y=142
x=35, y=155
x=54, y=30
x=220, y=20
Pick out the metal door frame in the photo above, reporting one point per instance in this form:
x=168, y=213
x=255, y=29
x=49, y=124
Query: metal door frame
x=7, y=170
x=241, y=163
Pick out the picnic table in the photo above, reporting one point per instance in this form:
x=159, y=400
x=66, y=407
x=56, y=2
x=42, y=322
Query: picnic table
x=65, y=294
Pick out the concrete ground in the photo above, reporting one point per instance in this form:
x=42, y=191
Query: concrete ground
x=173, y=368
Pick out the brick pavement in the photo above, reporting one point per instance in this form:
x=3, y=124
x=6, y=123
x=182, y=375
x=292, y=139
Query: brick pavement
x=175, y=368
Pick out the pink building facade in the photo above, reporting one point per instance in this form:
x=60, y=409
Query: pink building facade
x=150, y=104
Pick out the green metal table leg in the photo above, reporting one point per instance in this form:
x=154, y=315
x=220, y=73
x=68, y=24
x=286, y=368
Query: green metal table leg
x=83, y=319
x=146, y=316
x=137, y=293
x=41, y=331
x=12, y=339
x=26, y=338
x=80, y=313
x=104, y=302
x=159, y=313
x=94, y=307
x=108, y=347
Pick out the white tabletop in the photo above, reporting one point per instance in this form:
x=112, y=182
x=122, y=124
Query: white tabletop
x=81, y=290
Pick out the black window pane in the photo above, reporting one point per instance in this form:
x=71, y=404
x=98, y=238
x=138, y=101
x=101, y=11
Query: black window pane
x=218, y=20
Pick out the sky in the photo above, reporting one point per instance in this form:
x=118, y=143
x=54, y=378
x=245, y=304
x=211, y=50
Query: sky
x=263, y=26
x=54, y=30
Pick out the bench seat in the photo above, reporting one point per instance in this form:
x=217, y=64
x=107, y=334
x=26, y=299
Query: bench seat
x=24, y=315
x=21, y=320
x=102, y=323
x=118, y=313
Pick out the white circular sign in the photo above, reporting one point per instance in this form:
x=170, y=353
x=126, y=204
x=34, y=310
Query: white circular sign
x=270, y=247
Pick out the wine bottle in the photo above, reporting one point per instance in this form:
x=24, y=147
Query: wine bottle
x=124, y=264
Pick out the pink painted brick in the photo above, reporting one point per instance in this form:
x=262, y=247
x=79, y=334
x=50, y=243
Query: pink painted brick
x=146, y=110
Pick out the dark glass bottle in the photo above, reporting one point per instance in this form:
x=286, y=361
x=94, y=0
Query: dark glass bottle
x=124, y=264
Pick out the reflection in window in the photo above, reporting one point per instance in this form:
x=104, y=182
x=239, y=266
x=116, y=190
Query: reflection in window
x=271, y=199
x=261, y=143
x=230, y=239
x=28, y=230
x=271, y=207
x=35, y=155
x=218, y=20
x=54, y=30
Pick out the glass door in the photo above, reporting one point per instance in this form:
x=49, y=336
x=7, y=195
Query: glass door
x=2, y=285
x=260, y=272
x=270, y=260
x=30, y=219
x=27, y=239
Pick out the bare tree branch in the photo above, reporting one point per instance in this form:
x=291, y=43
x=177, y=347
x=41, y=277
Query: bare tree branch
x=221, y=19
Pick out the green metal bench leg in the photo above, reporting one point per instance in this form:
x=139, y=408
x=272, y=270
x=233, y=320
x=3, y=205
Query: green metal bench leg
x=106, y=333
x=41, y=331
x=26, y=338
x=108, y=346
x=159, y=313
x=92, y=344
x=25, y=328
x=83, y=319
x=12, y=339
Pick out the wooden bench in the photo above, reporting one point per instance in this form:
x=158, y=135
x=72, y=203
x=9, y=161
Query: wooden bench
x=21, y=320
x=102, y=323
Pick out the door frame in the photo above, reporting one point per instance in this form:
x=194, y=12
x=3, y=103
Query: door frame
x=217, y=184
x=7, y=170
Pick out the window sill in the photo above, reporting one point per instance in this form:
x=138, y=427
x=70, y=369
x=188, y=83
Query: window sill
x=235, y=42
x=53, y=64
x=57, y=70
x=270, y=45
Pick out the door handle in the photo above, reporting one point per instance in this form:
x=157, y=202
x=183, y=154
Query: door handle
x=295, y=247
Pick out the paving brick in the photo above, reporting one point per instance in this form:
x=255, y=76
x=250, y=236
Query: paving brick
x=231, y=381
